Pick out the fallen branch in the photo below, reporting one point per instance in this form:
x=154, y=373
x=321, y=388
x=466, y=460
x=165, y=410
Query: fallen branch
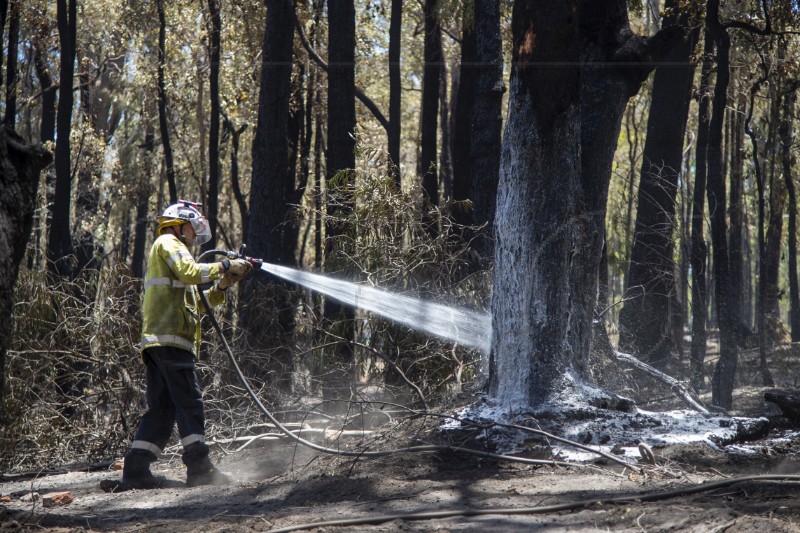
x=677, y=387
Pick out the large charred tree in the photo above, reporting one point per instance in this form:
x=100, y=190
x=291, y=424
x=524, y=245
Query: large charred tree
x=20, y=166
x=645, y=318
x=575, y=65
x=59, y=242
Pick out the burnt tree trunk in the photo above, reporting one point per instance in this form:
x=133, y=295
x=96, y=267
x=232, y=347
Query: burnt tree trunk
x=163, y=104
x=20, y=166
x=59, y=242
x=786, y=128
x=395, y=88
x=268, y=197
x=214, y=53
x=487, y=121
x=725, y=369
x=432, y=51
x=645, y=319
x=463, y=112
x=560, y=138
x=47, y=128
x=12, y=78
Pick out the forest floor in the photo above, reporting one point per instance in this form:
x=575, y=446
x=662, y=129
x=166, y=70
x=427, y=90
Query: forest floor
x=281, y=485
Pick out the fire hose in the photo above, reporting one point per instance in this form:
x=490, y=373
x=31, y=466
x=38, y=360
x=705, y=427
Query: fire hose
x=257, y=263
x=469, y=512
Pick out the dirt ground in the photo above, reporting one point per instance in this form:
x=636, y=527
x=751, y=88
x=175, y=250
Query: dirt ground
x=280, y=485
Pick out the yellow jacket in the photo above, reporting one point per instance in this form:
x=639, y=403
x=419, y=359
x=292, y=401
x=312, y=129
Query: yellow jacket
x=171, y=302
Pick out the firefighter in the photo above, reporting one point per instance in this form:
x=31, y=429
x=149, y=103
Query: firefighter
x=170, y=342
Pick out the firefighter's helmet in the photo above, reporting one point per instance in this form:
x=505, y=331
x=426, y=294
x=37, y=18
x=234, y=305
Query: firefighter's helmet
x=185, y=212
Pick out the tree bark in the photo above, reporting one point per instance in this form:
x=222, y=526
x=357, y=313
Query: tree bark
x=562, y=129
x=59, y=242
x=269, y=199
x=645, y=320
x=395, y=88
x=163, y=104
x=725, y=369
x=432, y=52
x=20, y=165
x=12, y=79
x=214, y=53
x=786, y=128
x=487, y=122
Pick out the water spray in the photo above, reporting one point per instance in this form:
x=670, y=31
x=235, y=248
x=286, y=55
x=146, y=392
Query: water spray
x=468, y=328
x=355, y=453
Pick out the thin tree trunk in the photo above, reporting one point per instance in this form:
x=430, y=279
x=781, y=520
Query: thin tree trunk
x=59, y=242
x=395, y=88
x=214, y=53
x=241, y=202
x=645, y=320
x=786, y=128
x=12, y=78
x=487, y=122
x=47, y=128
x=430, y=101
x=725, y=369
x=463, y=113
x=163, y=104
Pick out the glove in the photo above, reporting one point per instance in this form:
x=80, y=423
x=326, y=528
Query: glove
x=238, y=269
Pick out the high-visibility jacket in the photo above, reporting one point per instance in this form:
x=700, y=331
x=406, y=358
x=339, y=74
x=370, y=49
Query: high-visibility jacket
x=171, y=303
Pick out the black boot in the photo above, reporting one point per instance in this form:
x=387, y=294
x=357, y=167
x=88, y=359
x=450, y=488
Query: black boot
x=136, y=471
x=135, y=474
x=199, y=469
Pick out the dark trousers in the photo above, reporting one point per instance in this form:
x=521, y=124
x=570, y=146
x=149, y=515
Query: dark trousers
x=173, y=394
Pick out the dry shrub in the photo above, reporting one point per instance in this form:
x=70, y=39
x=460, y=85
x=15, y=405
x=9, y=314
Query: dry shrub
x=70, y=391
x=396, y=241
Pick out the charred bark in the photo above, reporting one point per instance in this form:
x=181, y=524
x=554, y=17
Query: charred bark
x=163, y=104
x=562, y=128
x=645, y=320
x=59, y=242
x=269, y=202
x=20, y=165
x=395, y=88
x=430, y=102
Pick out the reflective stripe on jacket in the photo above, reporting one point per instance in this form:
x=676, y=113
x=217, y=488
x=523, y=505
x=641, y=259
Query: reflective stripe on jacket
x=171, y=303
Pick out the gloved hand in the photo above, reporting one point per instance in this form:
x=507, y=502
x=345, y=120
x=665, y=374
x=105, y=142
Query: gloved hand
x=239, y=268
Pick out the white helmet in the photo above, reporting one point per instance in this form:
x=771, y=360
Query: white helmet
x=181, y=213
